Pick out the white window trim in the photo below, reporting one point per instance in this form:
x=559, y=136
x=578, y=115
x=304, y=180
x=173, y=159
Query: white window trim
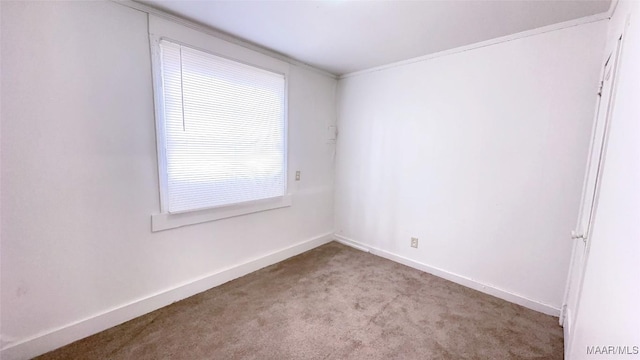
x=159, y=29
x=165, y=221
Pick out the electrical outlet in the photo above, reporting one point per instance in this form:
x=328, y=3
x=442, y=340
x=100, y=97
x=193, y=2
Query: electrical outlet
x=298, y=175
x=414, y=242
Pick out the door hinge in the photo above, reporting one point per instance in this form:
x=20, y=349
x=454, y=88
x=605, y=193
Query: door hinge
x=575, y=235
x=600, y=88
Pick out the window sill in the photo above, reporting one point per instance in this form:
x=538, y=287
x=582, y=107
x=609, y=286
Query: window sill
x=165, y=221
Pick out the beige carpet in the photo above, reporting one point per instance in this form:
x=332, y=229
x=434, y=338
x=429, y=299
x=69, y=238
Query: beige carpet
x=332, y=302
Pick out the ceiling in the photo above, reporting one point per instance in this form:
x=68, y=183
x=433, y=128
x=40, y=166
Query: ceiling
x=346, y=36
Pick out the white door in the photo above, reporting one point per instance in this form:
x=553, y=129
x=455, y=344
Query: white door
x=593, y=175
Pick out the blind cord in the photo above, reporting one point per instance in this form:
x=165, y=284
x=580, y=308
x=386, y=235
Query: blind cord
x=182, y=92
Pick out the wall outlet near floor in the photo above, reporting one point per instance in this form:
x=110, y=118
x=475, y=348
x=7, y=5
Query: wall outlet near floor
x=414, y=242
x=297, y=175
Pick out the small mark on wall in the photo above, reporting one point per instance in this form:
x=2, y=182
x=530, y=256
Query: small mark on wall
x=21, y=291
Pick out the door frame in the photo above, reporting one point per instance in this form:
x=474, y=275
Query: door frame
x=615, y=55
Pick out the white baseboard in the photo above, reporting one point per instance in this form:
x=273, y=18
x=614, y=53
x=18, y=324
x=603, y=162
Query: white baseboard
x=69, y=333
x=459, y=279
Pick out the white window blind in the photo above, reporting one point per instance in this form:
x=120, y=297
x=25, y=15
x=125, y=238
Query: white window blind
x=224, y=126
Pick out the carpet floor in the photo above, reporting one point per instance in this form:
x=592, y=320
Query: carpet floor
x=332, y=302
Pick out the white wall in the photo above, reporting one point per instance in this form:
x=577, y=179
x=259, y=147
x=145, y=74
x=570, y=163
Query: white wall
x=608, y=313
x=479, y=154
x=79, y=179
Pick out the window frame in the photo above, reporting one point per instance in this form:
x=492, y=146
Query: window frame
x=161, y=29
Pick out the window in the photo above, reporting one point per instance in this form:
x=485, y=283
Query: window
x=221, y=129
